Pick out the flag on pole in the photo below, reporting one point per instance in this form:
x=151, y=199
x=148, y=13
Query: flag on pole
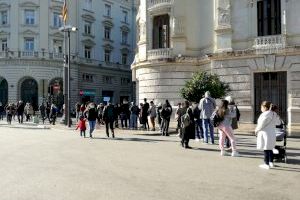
x=65, y=12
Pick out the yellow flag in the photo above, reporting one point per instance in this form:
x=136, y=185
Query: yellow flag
x=65, y=12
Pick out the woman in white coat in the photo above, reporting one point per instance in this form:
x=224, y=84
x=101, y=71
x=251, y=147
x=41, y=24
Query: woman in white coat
x=265, y=131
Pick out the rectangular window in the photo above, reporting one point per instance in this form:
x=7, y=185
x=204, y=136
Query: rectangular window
x=57, y=46
x=124, y=58
x=107, y=32
x=161, y=36
x=57, y=21
x=107, y=55
x=125, y=16
x=87, y=28
x=87, y=52
x=107, y=79
x=4, y=18
x=88, y=4
x=269, y=17
x=88, y=77
x=29, y=44
x=124, y=37
x=29, y=17
x=107, y=10
x=3, y=44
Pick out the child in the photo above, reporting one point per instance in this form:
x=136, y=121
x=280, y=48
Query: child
x=81, y=125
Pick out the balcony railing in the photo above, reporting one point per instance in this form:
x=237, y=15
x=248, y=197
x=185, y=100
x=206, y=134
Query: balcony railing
x=43, y=55
x=157, y=54
x=159, y=3
x=269, y=44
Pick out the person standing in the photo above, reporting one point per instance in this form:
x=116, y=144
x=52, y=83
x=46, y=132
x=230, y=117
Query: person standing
x=266, y=134
x=166, y=116
x=152, y=115
x=53, y=114
x=48, y=111
x=9, y=112
x=1, y=111
x=100, y=109
x=178, y=118
x=109, y=115
x=134, y=113
x=145, y=109
x=188, y=128
x=207, y=106
x=158, y=111
x=198, y=122
x=124, y=109
x=42, y=109
x=20, y=111
x=226, y=114
x=77, y=110
x=92, y=114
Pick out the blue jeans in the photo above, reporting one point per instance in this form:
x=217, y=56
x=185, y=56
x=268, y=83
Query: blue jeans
x=199, y=130
x=133, y=121
x=92, y=125
x=208, y=127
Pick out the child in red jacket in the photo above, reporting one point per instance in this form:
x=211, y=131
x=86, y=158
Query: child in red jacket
x=81, y=125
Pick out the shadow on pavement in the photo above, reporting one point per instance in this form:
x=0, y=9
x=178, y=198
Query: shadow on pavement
x=133, y=139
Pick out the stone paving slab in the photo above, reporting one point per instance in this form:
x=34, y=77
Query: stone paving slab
x=58, y=164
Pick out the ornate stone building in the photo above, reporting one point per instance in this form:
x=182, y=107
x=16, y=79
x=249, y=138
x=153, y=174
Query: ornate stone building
x=251, y=44
x=32, y=48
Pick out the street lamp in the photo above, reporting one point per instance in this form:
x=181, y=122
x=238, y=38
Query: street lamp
x=67, y=71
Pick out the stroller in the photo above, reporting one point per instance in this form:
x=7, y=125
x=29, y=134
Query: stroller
x=280, y=149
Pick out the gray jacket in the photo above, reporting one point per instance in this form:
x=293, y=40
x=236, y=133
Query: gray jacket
x=230, y=114
x=207, y=107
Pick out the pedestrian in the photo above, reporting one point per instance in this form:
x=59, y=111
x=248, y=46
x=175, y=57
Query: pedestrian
x=109, y=115
x=178, y=118
x=188, y=128
x=117, y=114
x=226, y=114
x=28, y=111
x=235, y=120
x=77, y=110
x=207, y=106
x=20, y=111
x=124, y=116
x=166, y=116
x=198, y=122
x=92, y=114
x=134, y=113
x=42, y=109
x=158, y=111
x=9, y=112
x=100, y=109
x=144, y=113
x=81, y=125
x=2, y=111
x=82, y=109
x=266, y=134
x=53, y=113
x=152, y=115
x=48, y=111
x=141, y=122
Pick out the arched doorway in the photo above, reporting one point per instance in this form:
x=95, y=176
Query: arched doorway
x=29, y=92
x=3, y=91
x=55, y=91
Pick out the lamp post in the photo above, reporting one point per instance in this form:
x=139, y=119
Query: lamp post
x=67, y=71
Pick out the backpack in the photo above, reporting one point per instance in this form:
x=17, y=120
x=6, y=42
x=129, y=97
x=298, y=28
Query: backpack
x=186, y=120
x=216, y=119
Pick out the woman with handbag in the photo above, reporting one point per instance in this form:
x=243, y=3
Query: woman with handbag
x=266, y=135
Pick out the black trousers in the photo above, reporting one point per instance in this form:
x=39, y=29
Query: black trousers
x=109, y=124
x=268, y=156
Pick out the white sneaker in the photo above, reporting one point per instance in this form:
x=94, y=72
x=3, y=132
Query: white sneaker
x=224, y=153
x=271, y=165
x=197, y=140
x=264, y=166
x=235, y=154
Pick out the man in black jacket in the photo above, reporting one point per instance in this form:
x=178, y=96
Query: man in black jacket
x=166, y=116
x=20, y=111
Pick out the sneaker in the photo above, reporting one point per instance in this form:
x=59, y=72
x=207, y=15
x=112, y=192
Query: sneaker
x=224, y=153
x=264, y=166
x=271, y=165
x=197, y=140
x=235, y=154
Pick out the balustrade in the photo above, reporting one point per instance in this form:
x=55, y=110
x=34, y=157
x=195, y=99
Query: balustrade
x=156, y=54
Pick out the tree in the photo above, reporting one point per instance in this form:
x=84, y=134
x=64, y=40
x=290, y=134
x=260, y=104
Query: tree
x=201, y=82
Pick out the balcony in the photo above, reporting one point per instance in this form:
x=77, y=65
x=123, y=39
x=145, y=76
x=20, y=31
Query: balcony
x=157, y=54
x=269, y=44
x=159, y=4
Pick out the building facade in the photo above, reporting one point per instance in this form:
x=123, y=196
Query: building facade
x=32, y=50
x=253, y=45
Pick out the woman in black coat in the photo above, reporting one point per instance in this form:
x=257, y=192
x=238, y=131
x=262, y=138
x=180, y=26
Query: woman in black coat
x=188, y=131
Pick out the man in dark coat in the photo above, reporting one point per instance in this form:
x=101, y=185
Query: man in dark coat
x=109, y=115
x=166, y=116
x=20, y=111
x=187, y=129
x=145, y=114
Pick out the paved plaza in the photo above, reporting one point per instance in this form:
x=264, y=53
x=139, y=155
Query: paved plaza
x=56, y=164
